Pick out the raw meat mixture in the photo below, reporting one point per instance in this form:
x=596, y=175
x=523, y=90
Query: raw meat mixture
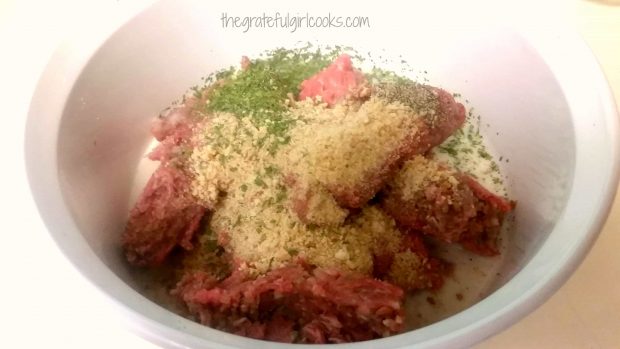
x=313, y=186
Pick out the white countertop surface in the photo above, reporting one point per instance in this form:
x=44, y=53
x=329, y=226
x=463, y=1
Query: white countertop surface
x=45, y=303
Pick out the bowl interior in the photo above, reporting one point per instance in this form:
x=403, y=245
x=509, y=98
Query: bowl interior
x=103, y=131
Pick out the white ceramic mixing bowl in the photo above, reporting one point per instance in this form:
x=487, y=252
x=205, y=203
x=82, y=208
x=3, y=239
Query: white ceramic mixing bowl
x=547, y=103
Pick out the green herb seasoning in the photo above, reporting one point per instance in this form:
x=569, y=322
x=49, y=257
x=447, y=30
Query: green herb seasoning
x=260, y=91
x=380, y=76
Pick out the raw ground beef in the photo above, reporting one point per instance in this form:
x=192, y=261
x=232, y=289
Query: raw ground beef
x=463, y=212
x=174, y=133
x=451, y=115
x=481, y=235
x=338, y=81
x=430, y=132
x=166, y=214
x=296, y=304
x=428, y=273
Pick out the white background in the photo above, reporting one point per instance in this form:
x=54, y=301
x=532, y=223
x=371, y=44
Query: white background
x=44, y=302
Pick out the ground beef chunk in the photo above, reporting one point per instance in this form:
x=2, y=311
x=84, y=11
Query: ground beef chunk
x=436, y=118
x=428, y=197
x=411, y=267
x=176, y=124
x=429, y=134
x=166, y=214
x=296, y=304
x=481, y=235
x=245, y=63
x=439, y=114
x=338, y=81
x=174, y=132
x=447, y=117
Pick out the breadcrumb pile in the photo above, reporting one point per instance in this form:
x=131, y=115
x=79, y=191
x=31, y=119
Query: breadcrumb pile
x=366, y=136
x=417, y=174
x=244, y=183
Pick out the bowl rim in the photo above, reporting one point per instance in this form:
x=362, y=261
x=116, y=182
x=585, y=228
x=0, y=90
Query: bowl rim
x=463, y=329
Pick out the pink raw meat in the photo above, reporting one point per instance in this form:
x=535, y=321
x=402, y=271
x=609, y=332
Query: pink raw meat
x=296, y=304
x=165, y=216
x=334, y=83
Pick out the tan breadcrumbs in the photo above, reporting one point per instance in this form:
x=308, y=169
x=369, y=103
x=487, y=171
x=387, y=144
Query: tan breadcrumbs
x=340, y=146
x=321, y=207
x=403, y=270
x=269, y=236
x=236, y=174
x=226, y=155
x=417, y=174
